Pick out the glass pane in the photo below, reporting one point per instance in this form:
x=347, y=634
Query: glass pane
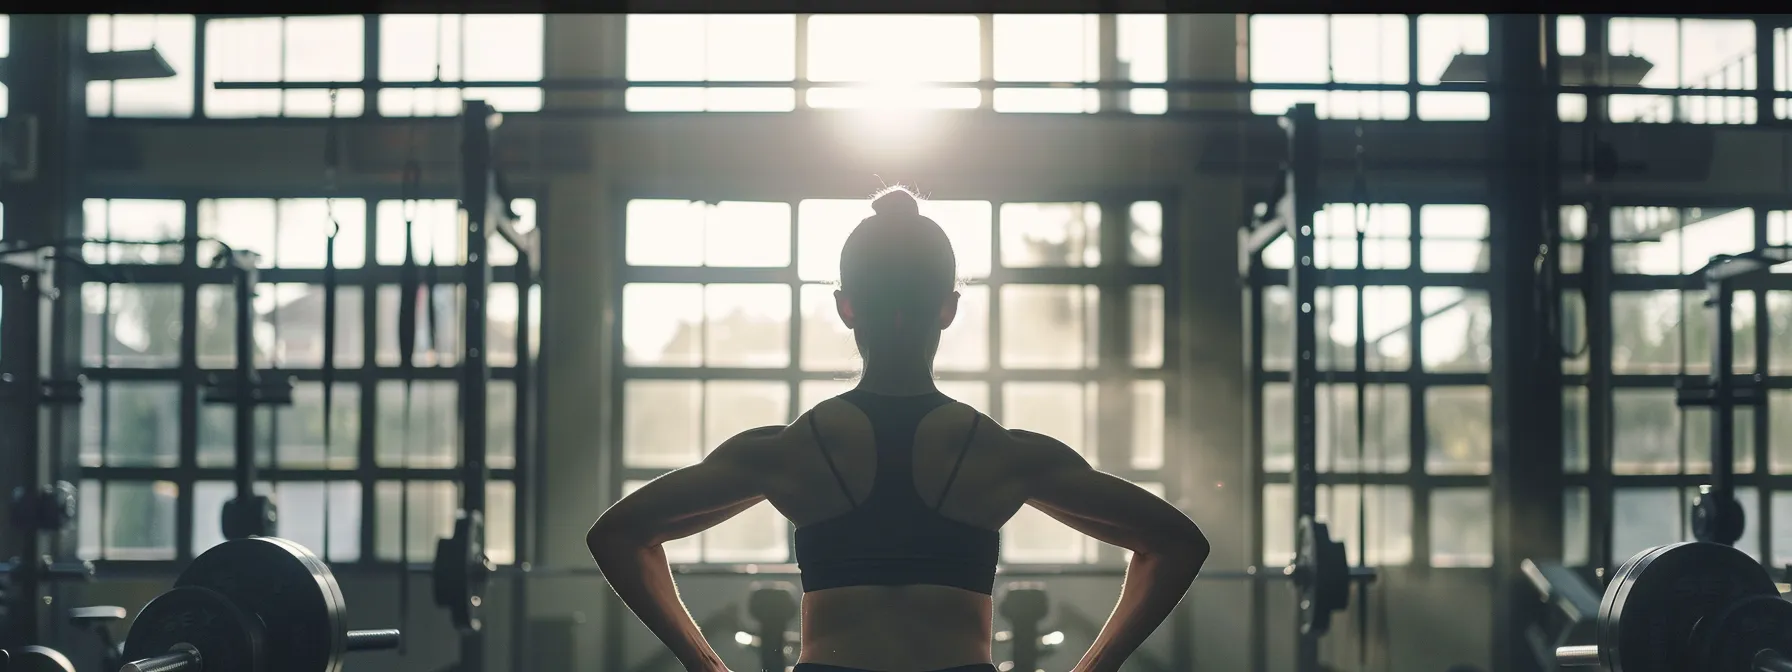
x=660, y=423
x=1697, y=422
x=304, y=226
x=1779, y=338
x=964, y=346
x=410, y=535
x=734, y=406
x=304, y=507
x=746, y=325
x=873, y=49
x=1049, y=326
x=1145, y=226
x=1033, y=537
x=1278, y=427
x=293, y=49
x=133, y=219
x=1065, y=411
x=297, y=314
x=662, y=325
x=973, y=393
x=1577, y=526
x=1458, y=330
x=133, y=326
x=500, y=522
x=1575, y=419
x=142, y=424
x=1147, y=326
x=500, y=424
x=1645, y=432
x=812, y=392
x=1573, y=327
x=299, y=428
x=217, y=436
x=431, y=226
x=1387, y=510
x=90, y=511
x=140, y=520
x=500, y=324
x=1462, y=527
x=1387, y=325
x=1673, y=241
x=688, y=549
x=1696, y=325
x=1144, y=46
x=1148, y=424
x=1277, y=340
x=1782, y=528
x=1640, y=519
x=437, y=345
x=1051, y=234
x=758, y=534
x=171, y=35
x=711, y=47
x=456, y=47
x=1779, y=431
x=1453, y=238
x=1386, y=431
x=694, y=233
x=1646, y=331
x=421, y=430
x=827, y=343
x=1387, y=231
x=1459, y=439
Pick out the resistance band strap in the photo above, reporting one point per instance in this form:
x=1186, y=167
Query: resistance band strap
x=328, y=376
x=407, y=344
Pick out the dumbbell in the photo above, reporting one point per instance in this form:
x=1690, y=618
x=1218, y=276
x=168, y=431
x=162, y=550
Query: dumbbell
x=1025, y=605
x=260, y=604
x=773, y=606
x=1689, y=607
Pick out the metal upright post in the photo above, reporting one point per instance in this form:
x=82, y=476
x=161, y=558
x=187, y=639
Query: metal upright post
x=1301, y=123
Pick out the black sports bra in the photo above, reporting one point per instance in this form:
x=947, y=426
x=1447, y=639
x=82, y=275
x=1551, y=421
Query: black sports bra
x=893, y=538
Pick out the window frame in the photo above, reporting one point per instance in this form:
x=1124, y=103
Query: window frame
x=367, y=474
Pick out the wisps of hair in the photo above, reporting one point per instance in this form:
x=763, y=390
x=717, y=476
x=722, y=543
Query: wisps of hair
x=896, y=199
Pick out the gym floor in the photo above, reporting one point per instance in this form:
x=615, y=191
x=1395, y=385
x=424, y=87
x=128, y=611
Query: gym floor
x=689, y=234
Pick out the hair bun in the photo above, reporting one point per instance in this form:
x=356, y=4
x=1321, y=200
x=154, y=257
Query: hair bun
x=896, y=201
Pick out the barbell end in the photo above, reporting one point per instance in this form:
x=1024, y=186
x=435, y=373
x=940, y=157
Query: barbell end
x=372, y=640
x=1577, y=656
x=1769, y=660
x=183, y=658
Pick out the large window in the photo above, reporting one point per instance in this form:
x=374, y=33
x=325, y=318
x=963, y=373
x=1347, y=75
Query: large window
x=1421, y=471
x=412, y=47
x=1660, y=333
x=1367, y=49
x=158, y=320
x=728, y=324
x=878, y=64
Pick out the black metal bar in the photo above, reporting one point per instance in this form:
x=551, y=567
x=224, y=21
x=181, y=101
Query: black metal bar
x=477, y=199
x=1303, y=188
x=21, y=381
x=1718, y=296
x=243, y=267
x=1180, y=86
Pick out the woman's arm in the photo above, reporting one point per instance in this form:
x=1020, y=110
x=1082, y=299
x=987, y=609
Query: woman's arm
x=1168, y=549
x=627, y=540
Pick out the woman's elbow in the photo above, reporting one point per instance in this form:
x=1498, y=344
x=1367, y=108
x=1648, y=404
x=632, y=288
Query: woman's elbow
x=608, y=535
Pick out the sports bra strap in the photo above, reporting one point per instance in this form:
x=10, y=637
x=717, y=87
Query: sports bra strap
x=822, y=446
x=976, y=418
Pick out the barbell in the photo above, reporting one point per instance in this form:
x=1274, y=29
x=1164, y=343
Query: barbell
x=259, y=604
x=1689, y=607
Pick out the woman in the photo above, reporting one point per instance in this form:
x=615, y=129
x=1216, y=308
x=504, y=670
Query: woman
x=897, y=493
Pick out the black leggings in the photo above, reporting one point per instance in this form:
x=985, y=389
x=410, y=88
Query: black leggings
x=818, y=667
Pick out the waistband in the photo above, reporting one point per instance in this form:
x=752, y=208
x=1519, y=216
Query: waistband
x=819, y=667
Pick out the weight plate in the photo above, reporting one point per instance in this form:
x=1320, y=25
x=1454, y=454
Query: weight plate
x=1728, y=641
x=1606, y=619
x=332, y=589
x=460, y=572
x=36, y=659
x=1322, y=576
x=1650, y=613
x=289, y=589
x=225, y=636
